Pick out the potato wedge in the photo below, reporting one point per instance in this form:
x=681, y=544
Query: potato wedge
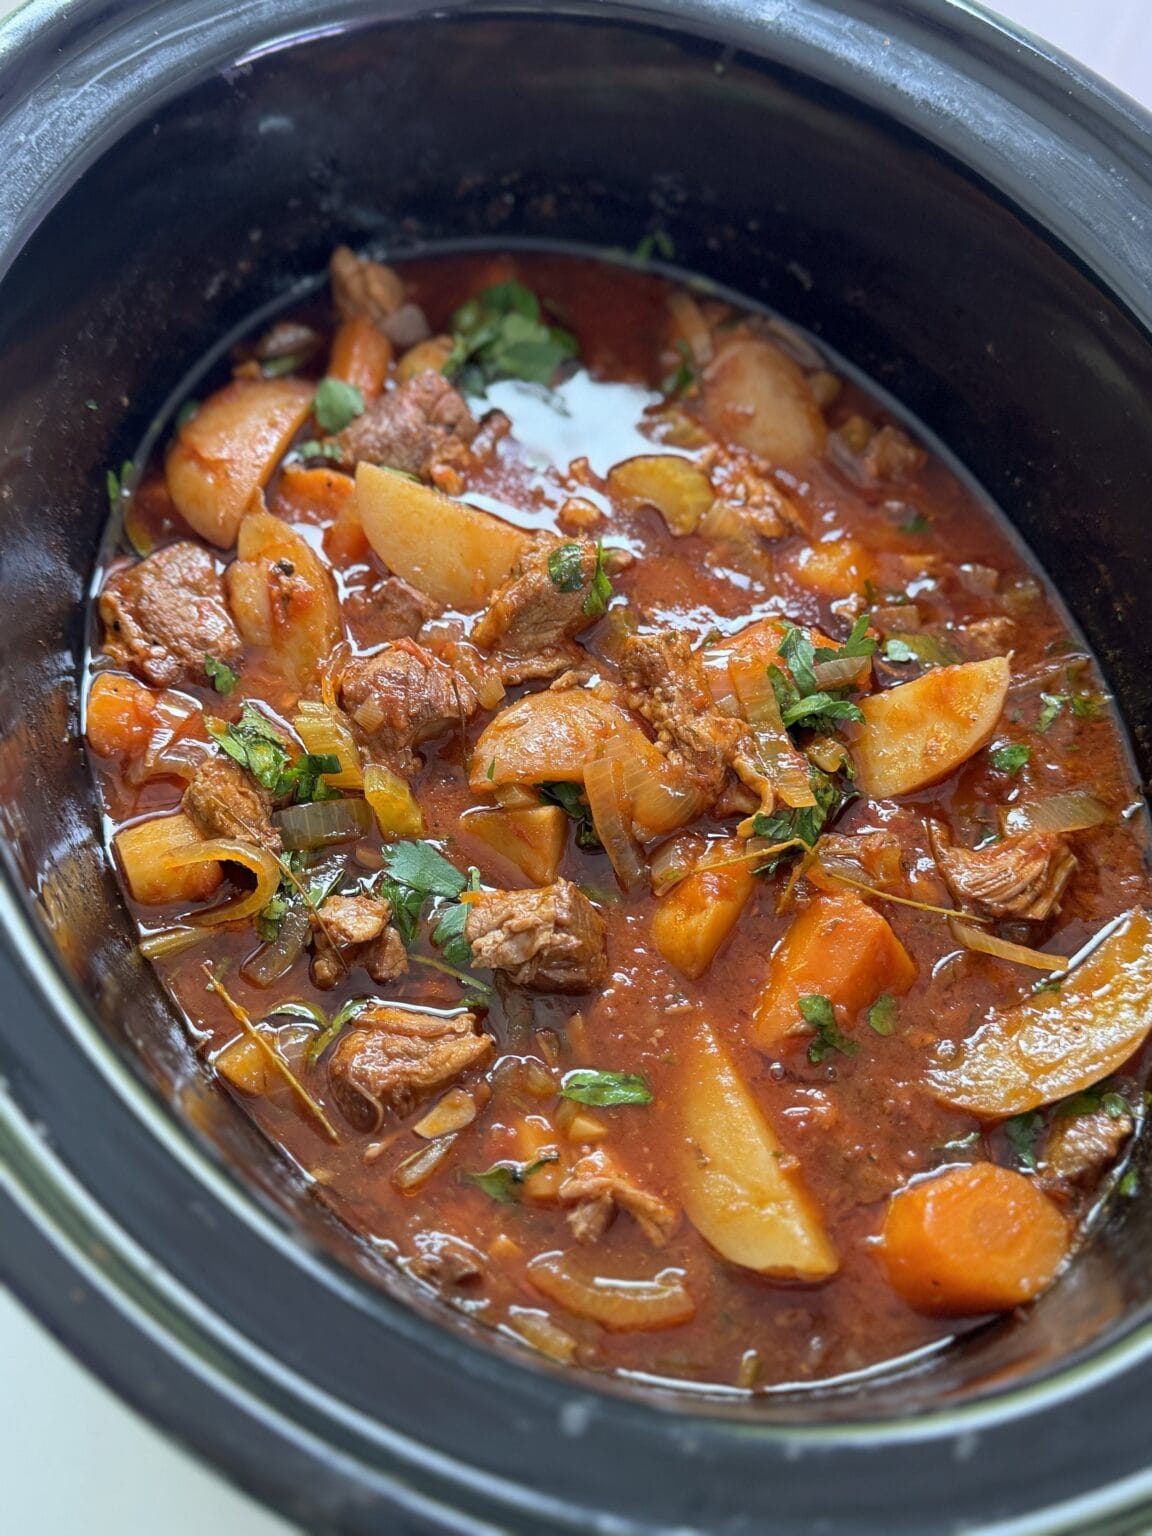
x=743, y=1193
x=693, y=920
x=679, y=490
x=283, y=598
x=533, y=838
x=838, y=947
x=920, y=732
x=228, y=450
x=546, y=737
x=456, y=553
x=146, y=850
x=1057, y=1043
x=754, y=395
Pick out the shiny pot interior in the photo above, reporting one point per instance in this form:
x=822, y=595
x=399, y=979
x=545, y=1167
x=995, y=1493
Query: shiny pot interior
x=818, y=161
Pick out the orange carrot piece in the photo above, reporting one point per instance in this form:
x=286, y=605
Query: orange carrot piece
x=693, y=920
x=972, y=1240
x=312, y=495
x=120, y=715
x=361, y=355
x=838, y=947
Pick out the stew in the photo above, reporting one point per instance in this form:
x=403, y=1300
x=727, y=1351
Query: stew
x=625, y=817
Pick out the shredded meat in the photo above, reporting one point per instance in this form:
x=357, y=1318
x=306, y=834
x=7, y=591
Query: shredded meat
x=403, y=695
x=550, y=940
x=385, y=958
x=395, y=1057
x=445, y=1260
x=389, y=609
x=665, y=682
x=350, y=920
x=1023, y=876
x=362, y=287
x=354, y=929
x=530, y=616
x=423, y=428
x=224, y=801
x=164, y=615
x=595, y=1190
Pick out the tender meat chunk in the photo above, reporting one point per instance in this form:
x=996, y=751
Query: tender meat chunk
x=550, y=940
x=541, y=606
x=224, y=801
x=1023, y=876
x=389, y=609
x=983, y=638
x=665, y=682
x=403, y=695
x=164, y=615
x=595, y=1191
x=362, y=287
x=891, y=455
x=445, y=1260
x=352, y=920
x=353, y=929
x=422, y=427
x=395, y=1057
x=385, y=958
x=1078, y=1148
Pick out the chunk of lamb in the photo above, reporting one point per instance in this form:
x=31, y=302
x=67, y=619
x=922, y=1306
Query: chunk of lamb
x=224, y=801
x=549, y=940
x=531, y=620
x=1078, y=1148
x=353, y=929
x=595, y=1190
x=388, y=609
x=403, y=695
x=166, y=614
x=423, y=428
x=1023, y=876
x=361, y=287
x=395, y=1057
x=664, y=681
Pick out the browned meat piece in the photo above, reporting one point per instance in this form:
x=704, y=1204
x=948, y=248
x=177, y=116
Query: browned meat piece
x=532, y=614
x=403, y=696
x=987, y=637
x=1023, y=876
x=362, y=287
x=445, y=1260
x=422, y=427
x=891, y=455
x=550, y=940
x=164, y=615
x=595, y=1191
x=389, y=609
x=224, y=801
x=395, y=1057
x=350, y=920
x=1078, y=1148
x=385, y=958
x=665, y=682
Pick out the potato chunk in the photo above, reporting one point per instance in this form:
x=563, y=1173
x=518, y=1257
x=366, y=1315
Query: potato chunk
x=455, y=553
x=546, y=737
x=228, y=450
x=743, y=1193
x=147, y=851
x=693, y=920
x=1057, y=1043
x=754, y=395
x=920, y=732
x=283, y=598
x=531, y=837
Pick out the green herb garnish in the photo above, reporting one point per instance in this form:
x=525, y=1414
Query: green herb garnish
x=818, y=1013
x=917, y=523
x=186, y=412
x=503, y=1181
x=806, y=822
x=884, y=1014
x=220, y=675
x=570, y=799
x=566, y=567
x=656, y=240
x=1093, y=1100
x=1021, y=1132
x=1010, y=759
x=500, y=334
x=337, y=404
x=1053, y=704
x=587, y=1086
x=683, y=376
x=117, y=484
x=312, y=449
x=599, y=588
x=255, y=743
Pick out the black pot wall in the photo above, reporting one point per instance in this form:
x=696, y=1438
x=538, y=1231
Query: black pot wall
x=943, y=208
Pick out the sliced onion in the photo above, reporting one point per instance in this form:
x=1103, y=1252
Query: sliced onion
x=754, y=689
x=657, y=802
x=171, y=941
x=1074, y=811
x=396, y=808
x=170, y=752
x=536, y=1328
x=450, y=1114
x=1001, y=949
x=715, y=665
x=604, y=788
x=323, y=822
x=672, y=862
x=264, y=865
x=271, y=961
x=622, y=1306
x=325, y=731
x=414, y=1172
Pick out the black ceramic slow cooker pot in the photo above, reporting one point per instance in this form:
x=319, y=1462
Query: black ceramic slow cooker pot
x=966, y=217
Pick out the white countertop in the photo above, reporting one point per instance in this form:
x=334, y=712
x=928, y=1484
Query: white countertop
x=72, y=1457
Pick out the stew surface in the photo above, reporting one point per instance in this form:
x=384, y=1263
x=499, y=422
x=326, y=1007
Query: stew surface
x=618, y=812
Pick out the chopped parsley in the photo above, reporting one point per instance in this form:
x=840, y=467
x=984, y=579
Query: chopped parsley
x=503, y=1181
x=599, y=588
x=336, y=404
x=1011, y=759
x=117, y=484
x=1088, y=706
x=1049, y=984
x=255, y=743
x=185, y=414
x=1094, y=1100
x=683, y=377
x=884, y=1014
x=800, y=698
x=1129, y=1184
x=928, y=650
x=787, y=823
x=566, y=567
x=587, y=1086
x=500, y=334
x=1021, y=1132
x=818, y=1013
x=917, y=523
x=220, y=675
x=570, y=799
x=312, y=449
x=1053, y=703
x=416, y=873
x=656, y=241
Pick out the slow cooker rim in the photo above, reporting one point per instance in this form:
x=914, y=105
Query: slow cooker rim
x=37, y=19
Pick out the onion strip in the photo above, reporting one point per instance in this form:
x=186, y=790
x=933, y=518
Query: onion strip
x=1075, y=811
x=273, y=1056
x=325, y=731
x=604, y=789
x=258, y=861
x=1002, y=949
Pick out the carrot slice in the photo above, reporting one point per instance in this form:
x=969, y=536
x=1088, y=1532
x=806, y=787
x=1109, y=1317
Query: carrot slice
x=361, y=355
x=971, y=1240
x=120, y=715
x=839, y=947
